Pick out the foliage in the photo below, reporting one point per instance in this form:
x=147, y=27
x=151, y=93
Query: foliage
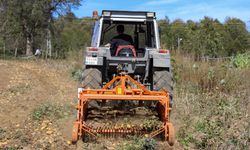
x=241, y=60
x=72, y=36
x=212, y=103
x=208, y=37
x=27, y=24
x=237, y=42
x=31, y=24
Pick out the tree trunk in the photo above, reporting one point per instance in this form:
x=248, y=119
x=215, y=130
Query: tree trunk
x=16, y=52
x=56, y=55
x=49, y=47
x=29, y=46
x=46, y=53
x=4, y=48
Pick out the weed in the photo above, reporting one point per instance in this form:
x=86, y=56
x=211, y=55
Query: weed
x=18, y=134
x=150, y=123
x=200, y=126
x=50, y=110
x=201, y=144
x=11, y=148
x=212, y=103
x=138, y=144
x=76, y=74
x=2, y=133
x=22, y=88
x=241, y=60
x=186, y=140
x=149, y=144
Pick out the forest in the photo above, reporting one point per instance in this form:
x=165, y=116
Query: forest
x=51, y=25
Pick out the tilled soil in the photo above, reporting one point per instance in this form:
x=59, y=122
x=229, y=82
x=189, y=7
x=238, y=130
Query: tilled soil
x=139, y=120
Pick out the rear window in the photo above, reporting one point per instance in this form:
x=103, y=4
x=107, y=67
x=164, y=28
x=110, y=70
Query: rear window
x=142, y=33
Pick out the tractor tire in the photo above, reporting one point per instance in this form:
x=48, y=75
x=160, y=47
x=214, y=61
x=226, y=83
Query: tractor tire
x=163, y=80
x=92, y=79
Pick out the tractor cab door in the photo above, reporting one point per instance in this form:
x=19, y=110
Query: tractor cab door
x=95, y=34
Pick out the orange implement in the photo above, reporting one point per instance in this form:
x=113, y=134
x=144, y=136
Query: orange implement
x=123, y=87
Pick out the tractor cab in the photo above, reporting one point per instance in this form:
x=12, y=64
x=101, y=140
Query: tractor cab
x=140, y=26
x=137, y=46
x=125, y=65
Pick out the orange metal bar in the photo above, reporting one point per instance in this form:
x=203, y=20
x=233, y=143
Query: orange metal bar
x=90, y=97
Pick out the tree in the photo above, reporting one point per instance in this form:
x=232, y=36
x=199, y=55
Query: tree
x=208, y=37
x=211, y=36
x=28, y=17
x=165, y=31
x=72, y=35
x=10, y=28
x=58, y=7
x=192, y=43
x=238, y=40
x=178, y=33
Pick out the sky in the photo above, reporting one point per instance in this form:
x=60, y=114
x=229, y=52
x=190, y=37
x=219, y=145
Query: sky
x=174, y=9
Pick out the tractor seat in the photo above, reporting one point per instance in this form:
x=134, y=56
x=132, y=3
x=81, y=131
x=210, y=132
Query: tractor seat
x=126, y=51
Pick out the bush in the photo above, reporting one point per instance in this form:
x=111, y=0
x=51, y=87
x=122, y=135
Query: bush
x=241, y=60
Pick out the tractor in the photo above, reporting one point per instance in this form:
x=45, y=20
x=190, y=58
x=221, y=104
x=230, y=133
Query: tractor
x=133, y=68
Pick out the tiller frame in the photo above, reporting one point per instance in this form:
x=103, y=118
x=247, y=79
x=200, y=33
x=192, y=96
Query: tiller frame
x=120, y=88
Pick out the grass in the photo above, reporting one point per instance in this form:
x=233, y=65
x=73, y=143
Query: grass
x=11, y=148
x=50, y=111
x=2, y=133
x=76, y=74
x=211, y=104
x=21, y=88
x=138, y=144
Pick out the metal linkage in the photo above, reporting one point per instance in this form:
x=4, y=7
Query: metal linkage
x=124, y=88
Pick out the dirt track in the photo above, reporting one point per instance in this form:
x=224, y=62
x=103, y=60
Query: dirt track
x=26, y=86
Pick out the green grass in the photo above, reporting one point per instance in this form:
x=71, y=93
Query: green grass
x=241, y=60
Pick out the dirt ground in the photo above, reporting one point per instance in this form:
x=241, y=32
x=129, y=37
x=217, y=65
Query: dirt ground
x=24, y=87
x=28, y=86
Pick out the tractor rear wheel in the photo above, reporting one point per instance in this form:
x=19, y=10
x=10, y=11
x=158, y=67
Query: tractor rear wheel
x=163, y=80
x=92, y=78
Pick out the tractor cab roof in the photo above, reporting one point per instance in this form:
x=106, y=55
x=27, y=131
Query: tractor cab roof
x=138, y=16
